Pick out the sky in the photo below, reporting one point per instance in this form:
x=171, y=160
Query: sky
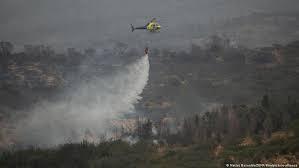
x=91, y=22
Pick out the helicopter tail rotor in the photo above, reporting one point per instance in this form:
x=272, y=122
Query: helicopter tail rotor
x=132, y=28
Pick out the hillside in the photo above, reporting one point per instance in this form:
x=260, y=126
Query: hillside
x=217, y=104
x=217, y=73
x=275, y=150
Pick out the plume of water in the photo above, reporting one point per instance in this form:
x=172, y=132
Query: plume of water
x=87, y=109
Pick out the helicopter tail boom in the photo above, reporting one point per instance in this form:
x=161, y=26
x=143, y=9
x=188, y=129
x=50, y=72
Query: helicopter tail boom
x=134, y=28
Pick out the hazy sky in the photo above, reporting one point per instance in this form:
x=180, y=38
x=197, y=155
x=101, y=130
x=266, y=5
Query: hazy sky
x=85, y=22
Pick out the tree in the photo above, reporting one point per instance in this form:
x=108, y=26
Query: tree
x=144, y=129
x=265, y=102
x=186, y=132
x=6, y=48
x=90, y=52
x=268, y=126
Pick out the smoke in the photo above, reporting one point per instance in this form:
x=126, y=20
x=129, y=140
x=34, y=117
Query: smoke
x=131, y=140
x=87, y=110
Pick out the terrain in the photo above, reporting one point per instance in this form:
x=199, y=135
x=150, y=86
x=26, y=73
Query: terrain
x=231, y=98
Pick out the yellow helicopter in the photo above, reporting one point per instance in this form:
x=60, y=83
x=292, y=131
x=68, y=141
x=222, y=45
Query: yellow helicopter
x=151, y=26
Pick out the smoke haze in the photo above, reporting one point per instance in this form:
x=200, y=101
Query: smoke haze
x=98, y=23
x=87, y=109
x=90, y=22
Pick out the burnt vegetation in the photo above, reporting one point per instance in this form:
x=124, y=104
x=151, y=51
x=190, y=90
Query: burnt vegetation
x=254, y=119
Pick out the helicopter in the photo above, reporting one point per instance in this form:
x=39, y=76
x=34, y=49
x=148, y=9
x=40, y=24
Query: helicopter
x=151, y=26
